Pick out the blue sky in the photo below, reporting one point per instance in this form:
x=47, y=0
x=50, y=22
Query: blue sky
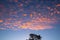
x=19, y=18
x=51, y=34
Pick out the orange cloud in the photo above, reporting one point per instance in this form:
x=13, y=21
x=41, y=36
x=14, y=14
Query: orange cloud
x=26, y=25
x=38, y=24
x=1, y=21
x=40, y=27
x=31, y=15
x=35, y=23
x=24, y=14
x=58, y=5
x=35, y=26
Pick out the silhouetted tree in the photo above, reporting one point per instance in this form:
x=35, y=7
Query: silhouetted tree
x=34, y=37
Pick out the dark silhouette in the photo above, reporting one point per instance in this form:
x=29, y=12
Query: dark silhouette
x=34, y=37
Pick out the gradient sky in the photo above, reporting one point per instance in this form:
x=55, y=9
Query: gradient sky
x=19, y=18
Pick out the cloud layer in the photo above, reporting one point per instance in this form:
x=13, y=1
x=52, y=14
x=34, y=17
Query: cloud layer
x=33, y=15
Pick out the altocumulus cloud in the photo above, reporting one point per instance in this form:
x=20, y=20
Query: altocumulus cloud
x=23, y=14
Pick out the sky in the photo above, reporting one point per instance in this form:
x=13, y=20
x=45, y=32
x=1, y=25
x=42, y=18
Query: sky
x=19, y=18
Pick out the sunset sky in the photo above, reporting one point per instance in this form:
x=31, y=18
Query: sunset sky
x=19, y=18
